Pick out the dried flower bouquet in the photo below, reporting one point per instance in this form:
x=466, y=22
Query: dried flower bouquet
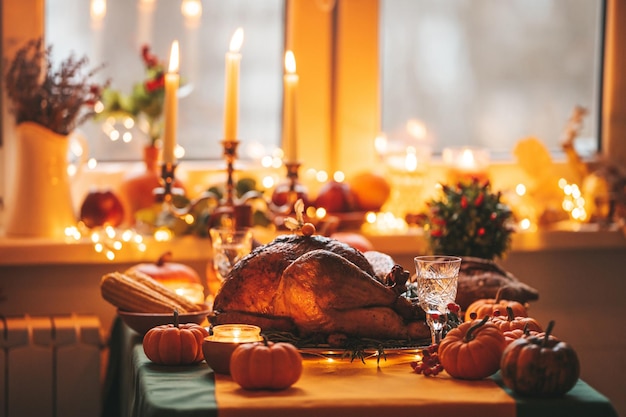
x=60, y=98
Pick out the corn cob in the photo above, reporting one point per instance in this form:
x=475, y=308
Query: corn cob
x=128, y=294
x=155, y=285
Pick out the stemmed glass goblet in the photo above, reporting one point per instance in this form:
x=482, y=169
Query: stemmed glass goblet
x=437, y=281
x=229, y=246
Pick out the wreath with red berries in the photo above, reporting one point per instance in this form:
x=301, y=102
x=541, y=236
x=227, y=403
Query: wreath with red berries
x=469, y=220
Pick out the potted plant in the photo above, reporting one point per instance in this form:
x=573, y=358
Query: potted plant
x=48, y=103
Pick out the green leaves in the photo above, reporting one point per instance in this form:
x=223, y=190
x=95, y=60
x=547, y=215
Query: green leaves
x=147, y=97
x=469, y=220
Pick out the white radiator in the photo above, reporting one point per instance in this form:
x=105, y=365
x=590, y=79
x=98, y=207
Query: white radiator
x=50, y=366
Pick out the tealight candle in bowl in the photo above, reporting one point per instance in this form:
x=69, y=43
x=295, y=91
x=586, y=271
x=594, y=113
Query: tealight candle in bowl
x=225, y=338
x=466, y=164
x=194, y=292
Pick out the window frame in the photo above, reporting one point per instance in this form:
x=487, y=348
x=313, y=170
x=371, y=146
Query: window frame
x=337, y=127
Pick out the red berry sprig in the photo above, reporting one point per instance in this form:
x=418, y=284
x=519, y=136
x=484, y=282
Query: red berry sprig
x=429, y=365
x=454, y=308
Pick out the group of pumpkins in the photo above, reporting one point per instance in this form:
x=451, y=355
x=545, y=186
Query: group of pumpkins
x=498, y=335
x=263, y=365
x=258, y=365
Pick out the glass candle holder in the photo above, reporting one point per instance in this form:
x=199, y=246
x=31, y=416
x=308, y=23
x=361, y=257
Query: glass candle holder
x=194, y=292
x=406, y=172
x=466, y=164
x=219, y=347
x=236, y=333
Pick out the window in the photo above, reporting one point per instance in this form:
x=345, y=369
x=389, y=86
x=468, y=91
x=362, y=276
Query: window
x=488, y=73
x=115, y=36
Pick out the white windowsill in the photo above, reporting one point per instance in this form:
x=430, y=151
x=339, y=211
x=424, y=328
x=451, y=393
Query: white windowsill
x=197, y=175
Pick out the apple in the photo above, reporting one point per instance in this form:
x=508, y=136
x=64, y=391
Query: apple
x=336, y=197
x=100, y=208
x=281, y=195
x=356, y=240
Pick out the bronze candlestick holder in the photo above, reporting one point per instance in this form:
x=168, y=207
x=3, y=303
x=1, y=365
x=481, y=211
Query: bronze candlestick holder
x=288, y=192
x=230, y=155
x=229, y=210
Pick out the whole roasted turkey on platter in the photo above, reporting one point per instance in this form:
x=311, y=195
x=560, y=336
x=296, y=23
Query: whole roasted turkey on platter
x=317, y=286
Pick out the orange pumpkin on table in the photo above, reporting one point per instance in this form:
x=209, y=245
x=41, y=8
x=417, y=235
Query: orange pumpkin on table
x=512, y=335
x=266, y=365
x=472, y=350
x=511, y=322
x=175, y=344
x=488, y=306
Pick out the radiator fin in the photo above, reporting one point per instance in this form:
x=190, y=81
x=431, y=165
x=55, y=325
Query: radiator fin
x=50, y=366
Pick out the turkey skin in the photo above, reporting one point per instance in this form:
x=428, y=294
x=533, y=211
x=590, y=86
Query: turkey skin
x=318, y=286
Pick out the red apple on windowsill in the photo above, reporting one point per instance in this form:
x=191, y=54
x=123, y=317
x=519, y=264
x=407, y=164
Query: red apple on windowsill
x=336, y=197
x=282, y=194
x=101, y=208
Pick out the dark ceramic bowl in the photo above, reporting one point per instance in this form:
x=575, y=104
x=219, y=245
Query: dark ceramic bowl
x=142, y=322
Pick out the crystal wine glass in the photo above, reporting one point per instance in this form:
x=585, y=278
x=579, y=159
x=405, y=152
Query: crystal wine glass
x=437, y=280
x=229, y=246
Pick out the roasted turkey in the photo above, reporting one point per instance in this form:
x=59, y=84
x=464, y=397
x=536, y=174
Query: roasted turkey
x=317, y=286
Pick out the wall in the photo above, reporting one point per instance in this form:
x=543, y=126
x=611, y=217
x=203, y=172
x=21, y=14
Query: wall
x=62, y=289
x=583, y=292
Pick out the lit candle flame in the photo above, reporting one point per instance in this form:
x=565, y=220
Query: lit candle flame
x=98, y=9
x=410, y=160
x=191, y=8
x=416, y=129
x=173, y=68
x=380, y=144
x=236, y=41
x=236, y=333
x=290, y=62
x=467, y=159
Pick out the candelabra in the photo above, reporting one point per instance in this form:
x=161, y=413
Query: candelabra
x=288, y=192
x=230, y=155
x=231, y=210
x=236, y=210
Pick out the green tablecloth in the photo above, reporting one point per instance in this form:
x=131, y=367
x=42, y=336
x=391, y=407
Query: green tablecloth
x=137, y=387
x=581, y=401
x=134, y=386
x=165, y=391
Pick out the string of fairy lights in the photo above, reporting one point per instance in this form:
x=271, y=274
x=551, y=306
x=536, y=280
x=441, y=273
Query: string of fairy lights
x=110, y=241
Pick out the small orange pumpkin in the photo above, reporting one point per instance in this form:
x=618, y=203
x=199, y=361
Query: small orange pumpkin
x=510, y=322
x=266, y=365
x=511, y=335
x=472, y=350
x=175, y=344
x=540, y=365
x=487, y=306
x=165, y=270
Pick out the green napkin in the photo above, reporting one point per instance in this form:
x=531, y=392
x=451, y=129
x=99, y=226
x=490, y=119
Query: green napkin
x=581, y=401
